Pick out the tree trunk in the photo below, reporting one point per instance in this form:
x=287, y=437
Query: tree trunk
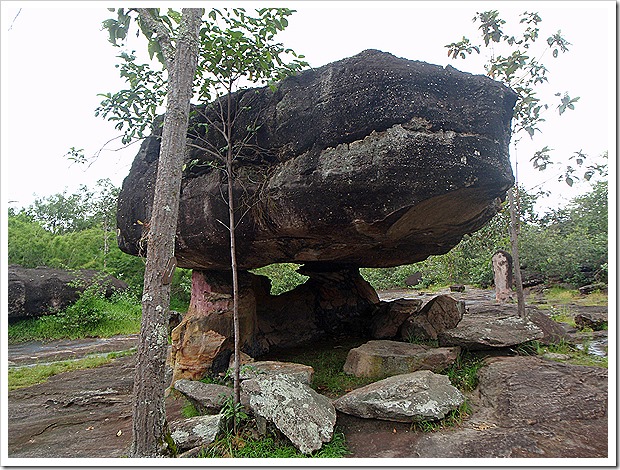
x=149, y=419
x=514, y=245
x=233, y=253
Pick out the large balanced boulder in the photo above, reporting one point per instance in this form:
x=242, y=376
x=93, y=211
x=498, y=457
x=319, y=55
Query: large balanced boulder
x=33, y=292
x=369, y=161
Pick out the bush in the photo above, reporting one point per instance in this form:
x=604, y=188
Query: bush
x=284, y=276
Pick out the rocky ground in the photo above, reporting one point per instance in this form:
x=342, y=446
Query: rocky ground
x=524, y=407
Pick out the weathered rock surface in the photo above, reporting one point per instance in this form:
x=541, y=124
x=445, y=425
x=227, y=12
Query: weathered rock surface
x=490, y=330
x=301, y=414
x=207, y=398
x=369, y=161
x=592, y=320
x=33, y=292
x=194, y=432
x=384, y=358
x=389, y=317
x=300, y=372
x=418, y=396
x=529, y=407
x=441, y=313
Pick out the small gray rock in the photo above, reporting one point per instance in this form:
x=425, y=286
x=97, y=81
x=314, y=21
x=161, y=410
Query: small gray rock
x=194, y=432
x=207, y=398
x=406, y=398
x=301, y=372
x=301, y=414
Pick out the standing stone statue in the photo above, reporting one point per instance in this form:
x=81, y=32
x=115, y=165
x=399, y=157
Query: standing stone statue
x=502, y=273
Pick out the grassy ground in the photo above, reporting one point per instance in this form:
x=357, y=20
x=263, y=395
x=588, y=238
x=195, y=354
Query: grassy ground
x=35, y=374
x=93, y=317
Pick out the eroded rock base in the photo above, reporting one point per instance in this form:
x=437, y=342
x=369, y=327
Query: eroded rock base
x=333, y=301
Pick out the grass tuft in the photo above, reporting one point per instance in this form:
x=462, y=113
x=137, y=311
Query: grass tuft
x=463, y=374
x=453, y=418
x=244, y=445
x=328, y=361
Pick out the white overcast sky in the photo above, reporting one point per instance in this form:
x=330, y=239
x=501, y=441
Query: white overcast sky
x=56, y=58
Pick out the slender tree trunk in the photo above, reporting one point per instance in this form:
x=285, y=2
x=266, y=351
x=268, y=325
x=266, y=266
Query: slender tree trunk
x=514, y=245
x=149, y=419
x=233, y=252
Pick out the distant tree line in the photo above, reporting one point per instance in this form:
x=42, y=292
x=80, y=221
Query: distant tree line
x=566, y=245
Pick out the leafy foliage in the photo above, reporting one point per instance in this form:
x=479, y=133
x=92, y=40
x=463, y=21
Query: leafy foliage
x=102, y=318
x=284, y=277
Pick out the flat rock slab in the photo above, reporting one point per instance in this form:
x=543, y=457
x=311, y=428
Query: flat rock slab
x=207, y=398
x=383, y=358
x=406, y=398
x=490, y=330
x=85, y=413
x=304, y=416
x=32, y=352
x=529, y=407
x=300, y=372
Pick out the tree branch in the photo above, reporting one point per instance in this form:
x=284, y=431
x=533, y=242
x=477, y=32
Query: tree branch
x=163, y=36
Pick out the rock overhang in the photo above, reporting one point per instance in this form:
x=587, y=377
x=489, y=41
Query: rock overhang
x=371, y=161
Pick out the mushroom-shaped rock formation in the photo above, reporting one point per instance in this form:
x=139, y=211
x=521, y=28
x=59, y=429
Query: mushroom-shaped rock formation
x=370, y=161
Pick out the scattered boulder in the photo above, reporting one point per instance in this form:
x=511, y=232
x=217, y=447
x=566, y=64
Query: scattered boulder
x=388, y=319
x=301, y=414
x=585, y=290
x=414, y=279
x=33, y=292
x=553, y=332
x=194, y=349
x=207, y=398
x=440, y=313
x=593, y=320
x=457, y=288
x=300, y=372
x=490, y=330
x=414, y=397
x=195, y=432
x=385, y=358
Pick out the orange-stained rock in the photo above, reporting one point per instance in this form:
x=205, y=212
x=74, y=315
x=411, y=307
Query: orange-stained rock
x=193, y=349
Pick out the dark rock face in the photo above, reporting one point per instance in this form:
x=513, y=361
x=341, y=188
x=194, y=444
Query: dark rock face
x=369, y=161
x=33, y=292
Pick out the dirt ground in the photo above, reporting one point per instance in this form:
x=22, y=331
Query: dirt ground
x=87, y=414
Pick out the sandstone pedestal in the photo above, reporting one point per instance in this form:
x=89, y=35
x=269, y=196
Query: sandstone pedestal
x=334, y=301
